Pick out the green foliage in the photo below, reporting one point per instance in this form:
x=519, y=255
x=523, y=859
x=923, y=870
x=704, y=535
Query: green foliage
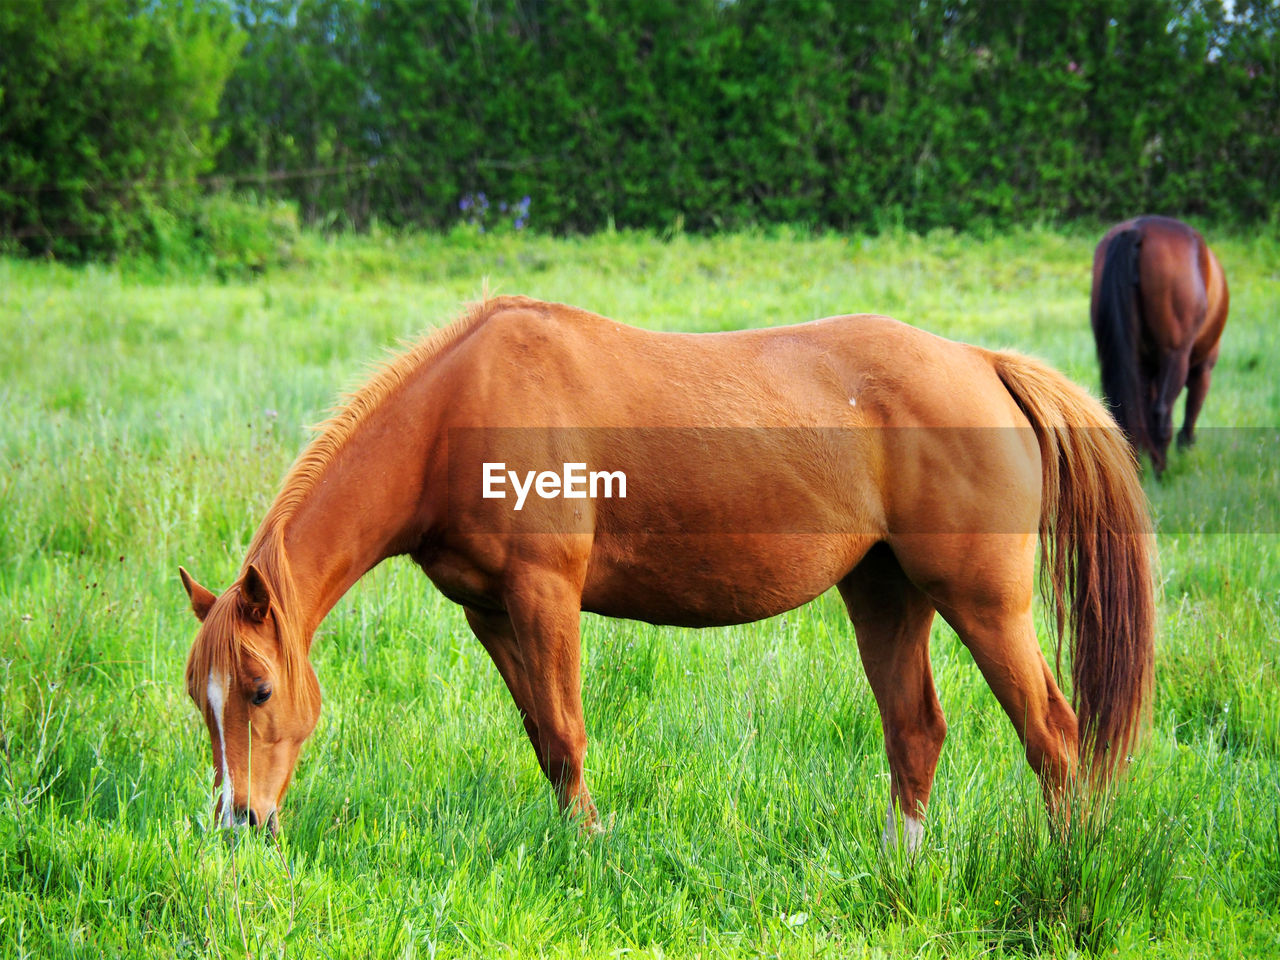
x=105, y=118
x=230, y=236
x=664, y=115
x=717, y=115
x=297, y=115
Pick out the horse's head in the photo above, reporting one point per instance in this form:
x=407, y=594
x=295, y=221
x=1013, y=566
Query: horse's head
x=250, y=678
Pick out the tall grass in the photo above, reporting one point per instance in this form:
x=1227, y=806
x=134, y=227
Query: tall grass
x=147, y=421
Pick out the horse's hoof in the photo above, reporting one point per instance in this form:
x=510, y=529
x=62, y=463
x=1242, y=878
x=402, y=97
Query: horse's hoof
x=597, y=827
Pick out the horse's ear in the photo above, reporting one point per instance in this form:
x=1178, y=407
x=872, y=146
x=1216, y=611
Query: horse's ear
x=254, y=593
x=201, y=599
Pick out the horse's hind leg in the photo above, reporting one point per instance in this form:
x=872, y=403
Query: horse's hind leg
x=1003, y=644
x=982, y=585
x=891, y=618
x=1197, y=390
x=1171, y=377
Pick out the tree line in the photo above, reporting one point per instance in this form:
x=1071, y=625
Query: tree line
x=128, y=123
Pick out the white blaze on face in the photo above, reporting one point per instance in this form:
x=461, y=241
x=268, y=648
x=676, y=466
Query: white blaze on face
x=217, y=694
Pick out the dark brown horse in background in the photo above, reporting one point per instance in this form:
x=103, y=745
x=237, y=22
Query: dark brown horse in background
x=762, y=467
x=1158, y=308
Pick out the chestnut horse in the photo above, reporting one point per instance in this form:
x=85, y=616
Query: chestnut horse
x=751, y=471
x=1158, y=307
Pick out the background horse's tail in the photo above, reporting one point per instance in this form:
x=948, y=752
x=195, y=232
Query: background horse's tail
x=1116, y=321
x=1095, y=549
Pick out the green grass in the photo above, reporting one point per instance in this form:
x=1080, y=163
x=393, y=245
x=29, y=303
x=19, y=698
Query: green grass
x=147, y=420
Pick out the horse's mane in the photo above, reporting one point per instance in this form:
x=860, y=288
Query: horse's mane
x=333, y=433
x=221, y=643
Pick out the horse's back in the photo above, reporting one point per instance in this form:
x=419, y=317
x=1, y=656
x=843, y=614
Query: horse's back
x=547, y=364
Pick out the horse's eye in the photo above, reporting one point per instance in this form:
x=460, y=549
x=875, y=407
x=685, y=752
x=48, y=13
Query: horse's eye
x=261, y=693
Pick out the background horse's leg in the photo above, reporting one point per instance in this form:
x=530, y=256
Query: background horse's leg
x=545, y=609
x=1197, y=389
x=891, y=617
x=494, y=631
x=1170, y=379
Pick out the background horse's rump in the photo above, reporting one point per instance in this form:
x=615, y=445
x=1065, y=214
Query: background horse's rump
x=1158, y=307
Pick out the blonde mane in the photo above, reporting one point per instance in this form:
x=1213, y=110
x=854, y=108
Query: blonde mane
x=221, y=644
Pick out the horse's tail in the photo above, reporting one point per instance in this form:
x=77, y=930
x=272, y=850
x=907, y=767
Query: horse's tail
x=1095, y=556
x=1116, y=321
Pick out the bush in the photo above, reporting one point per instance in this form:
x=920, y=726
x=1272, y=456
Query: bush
x=702, y=113
x=242, y=236
x=106, y=110
x=719, y=115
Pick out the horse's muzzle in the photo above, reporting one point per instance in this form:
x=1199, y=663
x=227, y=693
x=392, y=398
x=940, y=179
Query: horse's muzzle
x=242, y=817
x=251, y=818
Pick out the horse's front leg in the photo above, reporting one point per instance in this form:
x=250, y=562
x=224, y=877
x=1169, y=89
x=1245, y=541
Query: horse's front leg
x=545, y=610
x=494, y=631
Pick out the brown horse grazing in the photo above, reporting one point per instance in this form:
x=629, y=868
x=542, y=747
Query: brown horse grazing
x=1158, y=307
x=702, y=479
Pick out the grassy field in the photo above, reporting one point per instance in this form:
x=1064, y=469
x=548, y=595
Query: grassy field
x=147, y=420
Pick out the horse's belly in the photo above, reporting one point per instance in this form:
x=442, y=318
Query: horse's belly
x=701, y=580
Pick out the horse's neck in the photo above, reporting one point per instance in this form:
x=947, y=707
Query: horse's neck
x=360, y=510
